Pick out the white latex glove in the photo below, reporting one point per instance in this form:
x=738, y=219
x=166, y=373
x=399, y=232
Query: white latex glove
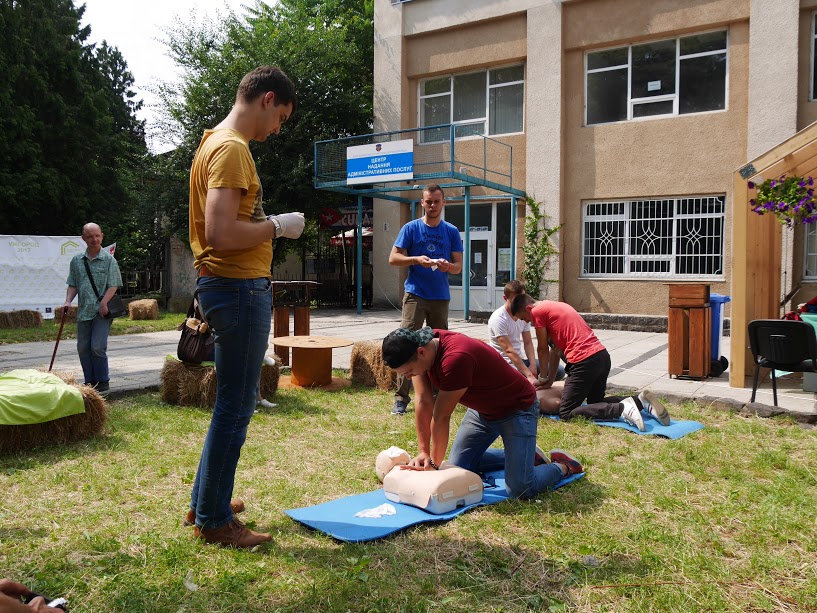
x=292, y=224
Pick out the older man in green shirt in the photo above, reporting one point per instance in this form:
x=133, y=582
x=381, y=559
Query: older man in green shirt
x=92, y=325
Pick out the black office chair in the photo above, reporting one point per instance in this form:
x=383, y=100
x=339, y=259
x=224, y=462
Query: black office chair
x=782, y=344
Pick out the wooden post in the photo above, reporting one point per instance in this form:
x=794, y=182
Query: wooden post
x=281, y=328
x=302, y=320
x=756, y=244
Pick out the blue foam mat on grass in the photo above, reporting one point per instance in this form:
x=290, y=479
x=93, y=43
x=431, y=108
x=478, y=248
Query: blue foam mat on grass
x=676, y=429
x=337, y=517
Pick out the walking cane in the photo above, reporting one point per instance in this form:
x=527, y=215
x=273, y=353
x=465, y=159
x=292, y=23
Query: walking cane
x=59, y=334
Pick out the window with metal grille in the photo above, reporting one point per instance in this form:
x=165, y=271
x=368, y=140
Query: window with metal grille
x=810, y=265
x=656, y=238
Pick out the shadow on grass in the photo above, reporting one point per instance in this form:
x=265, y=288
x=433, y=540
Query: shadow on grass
x=463, y=573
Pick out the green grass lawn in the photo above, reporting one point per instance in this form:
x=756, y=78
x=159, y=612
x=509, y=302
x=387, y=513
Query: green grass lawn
x=121, y=325
x=721, y=520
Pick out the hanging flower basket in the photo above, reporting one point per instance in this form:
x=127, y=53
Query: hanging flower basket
x=790, y=199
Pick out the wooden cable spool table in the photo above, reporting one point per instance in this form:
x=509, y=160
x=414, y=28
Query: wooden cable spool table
x=312, y=361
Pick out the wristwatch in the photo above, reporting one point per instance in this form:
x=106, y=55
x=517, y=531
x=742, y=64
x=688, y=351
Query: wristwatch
x=277, y=225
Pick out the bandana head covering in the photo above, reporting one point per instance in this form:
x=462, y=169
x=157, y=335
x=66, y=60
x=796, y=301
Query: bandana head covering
x=401, y=345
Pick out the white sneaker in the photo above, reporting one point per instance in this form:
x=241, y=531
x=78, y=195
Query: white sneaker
x=632, y=415
x=266, y=404
x=656, y=408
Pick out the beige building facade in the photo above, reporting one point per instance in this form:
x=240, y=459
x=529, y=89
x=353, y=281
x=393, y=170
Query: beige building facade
x=627, y=120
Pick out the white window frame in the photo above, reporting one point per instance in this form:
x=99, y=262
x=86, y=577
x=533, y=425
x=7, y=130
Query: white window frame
x=485, y=119
x=809, y=229
x=813, y=28
x=627, y=257
x=631, y=102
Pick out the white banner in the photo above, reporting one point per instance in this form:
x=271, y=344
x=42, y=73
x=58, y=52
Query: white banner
x=33, y=270
x=380, y=162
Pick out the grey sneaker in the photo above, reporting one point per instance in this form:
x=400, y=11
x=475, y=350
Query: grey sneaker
x=399, y=407
x=540, y=457
x=632, y=414
x=654, y=406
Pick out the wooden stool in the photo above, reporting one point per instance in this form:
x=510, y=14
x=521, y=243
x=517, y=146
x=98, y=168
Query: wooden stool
x=312, y=359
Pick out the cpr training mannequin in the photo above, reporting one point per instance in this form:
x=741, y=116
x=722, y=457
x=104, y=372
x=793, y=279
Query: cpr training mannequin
x=388, y=459
x=434, y=491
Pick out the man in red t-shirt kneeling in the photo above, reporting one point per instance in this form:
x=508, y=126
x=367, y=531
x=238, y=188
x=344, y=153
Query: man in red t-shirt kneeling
x=501, y=403
x=588, y=365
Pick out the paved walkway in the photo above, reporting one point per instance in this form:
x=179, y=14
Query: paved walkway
x=639, y=361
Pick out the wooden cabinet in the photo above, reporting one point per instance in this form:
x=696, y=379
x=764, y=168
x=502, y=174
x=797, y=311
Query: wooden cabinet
x=689, y=327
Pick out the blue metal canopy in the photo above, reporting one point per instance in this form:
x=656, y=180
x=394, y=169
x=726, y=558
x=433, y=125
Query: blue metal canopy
x=450, y=155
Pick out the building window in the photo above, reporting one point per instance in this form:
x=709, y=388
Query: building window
x=669, y=77
x=477, y=103
x=810, y=270
x=661, y=238
x=813, y=57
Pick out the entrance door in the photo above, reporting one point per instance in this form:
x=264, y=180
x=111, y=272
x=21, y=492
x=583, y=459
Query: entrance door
x=489, y=269
x=480, y=272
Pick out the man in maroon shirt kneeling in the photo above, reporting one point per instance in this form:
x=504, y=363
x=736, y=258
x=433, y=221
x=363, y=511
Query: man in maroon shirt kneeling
x=501, y=403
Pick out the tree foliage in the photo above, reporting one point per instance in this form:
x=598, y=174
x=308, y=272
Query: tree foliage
x=327, y=49
x=70, y=144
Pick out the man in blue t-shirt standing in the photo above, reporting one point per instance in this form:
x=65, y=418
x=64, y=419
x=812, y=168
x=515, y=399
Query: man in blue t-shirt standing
x=431, y=248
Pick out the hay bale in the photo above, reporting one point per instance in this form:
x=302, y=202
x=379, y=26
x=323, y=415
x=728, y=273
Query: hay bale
x=270, y=373
x=171, y=372
x=368, y=368
x=21, y=319
x=186, y=384
x=58, y=431
x=143, y=309
x=68, y=376
x=70, y=316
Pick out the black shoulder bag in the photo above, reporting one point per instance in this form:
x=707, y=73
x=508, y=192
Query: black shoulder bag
x=116, y=308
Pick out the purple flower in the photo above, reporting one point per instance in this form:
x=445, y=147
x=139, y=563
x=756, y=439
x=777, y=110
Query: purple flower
x=810, y=181
x=750, y=185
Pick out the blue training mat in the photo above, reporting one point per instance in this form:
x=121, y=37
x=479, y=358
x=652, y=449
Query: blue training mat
x=676, y=429
x=337, y=517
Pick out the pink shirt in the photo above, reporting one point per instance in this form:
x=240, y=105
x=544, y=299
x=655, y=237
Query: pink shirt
x=566, y=328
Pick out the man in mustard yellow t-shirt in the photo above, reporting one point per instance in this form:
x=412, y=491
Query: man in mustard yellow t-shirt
x=231, y=239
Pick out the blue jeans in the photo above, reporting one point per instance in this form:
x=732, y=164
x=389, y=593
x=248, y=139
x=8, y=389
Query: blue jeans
x=92, y=346
x=518, y=431
x=239, y=312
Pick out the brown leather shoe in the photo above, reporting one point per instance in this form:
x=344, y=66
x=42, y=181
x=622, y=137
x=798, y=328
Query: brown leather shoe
x=236, y=505
x=232, y=534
